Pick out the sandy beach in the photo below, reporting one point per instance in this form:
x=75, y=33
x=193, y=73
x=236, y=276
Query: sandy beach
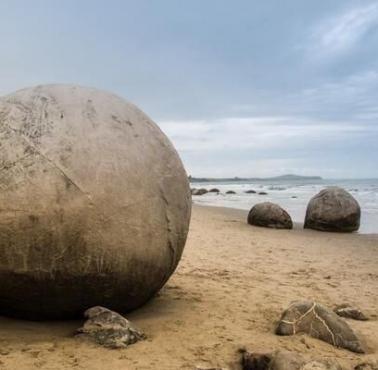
x=232, y=284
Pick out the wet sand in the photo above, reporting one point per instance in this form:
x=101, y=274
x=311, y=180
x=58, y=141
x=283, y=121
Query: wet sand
x=228, y=292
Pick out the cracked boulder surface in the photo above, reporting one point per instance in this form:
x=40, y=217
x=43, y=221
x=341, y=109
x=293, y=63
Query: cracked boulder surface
x=271, y=215
x=109, y=329
x=319, y=322
x=285, y=360
x=94, y=203
x=333, y=209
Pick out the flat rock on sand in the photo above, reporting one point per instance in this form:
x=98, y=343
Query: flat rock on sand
x=319, y=322
x=350, y=312
x=285, y=360
x=109, y=329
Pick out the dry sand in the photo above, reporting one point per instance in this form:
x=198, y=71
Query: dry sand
x=229, y=290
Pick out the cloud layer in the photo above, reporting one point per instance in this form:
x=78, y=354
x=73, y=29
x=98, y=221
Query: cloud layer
x=242, y=89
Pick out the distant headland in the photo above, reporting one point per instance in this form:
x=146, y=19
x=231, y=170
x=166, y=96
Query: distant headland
x=289, y=177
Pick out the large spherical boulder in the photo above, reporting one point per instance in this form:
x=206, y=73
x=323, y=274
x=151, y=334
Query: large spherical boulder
x=94, y=203
x=333, y=209
x=271, y=215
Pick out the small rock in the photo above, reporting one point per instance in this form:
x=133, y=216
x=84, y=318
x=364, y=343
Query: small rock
x=263, y=193
x=230, y=192
x=255, y=361
x=250, y=192
x=350, y=312
x=284, y=360
x=271, y=215
x=109, y=329
x=319, y=322
x=321, y=365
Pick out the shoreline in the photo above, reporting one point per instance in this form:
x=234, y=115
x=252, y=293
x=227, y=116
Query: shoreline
x=228, y=292
x=238, y=212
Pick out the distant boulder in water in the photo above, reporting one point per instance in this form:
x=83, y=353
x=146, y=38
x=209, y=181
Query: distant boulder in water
x=263, y=193
x=250, y=192
x=214, y=190
x=333, y=209
x=201, y=191
x=230, y=192
x=271, y=215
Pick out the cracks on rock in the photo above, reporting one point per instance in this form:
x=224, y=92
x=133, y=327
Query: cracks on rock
x=312, y=310
x=295, y=322
x=53, y=164
x=319, y=322
x=324, y=324
x=14, y=163
x=169, y=230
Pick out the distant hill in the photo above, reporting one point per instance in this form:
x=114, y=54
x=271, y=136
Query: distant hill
x=275, y=178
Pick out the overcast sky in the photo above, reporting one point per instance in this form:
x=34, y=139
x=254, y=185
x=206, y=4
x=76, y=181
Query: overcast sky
x=242, y=88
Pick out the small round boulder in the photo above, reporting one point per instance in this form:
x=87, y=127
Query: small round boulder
x=271, y=215
x=94, y=203
x=333, y=209
x=201, y=191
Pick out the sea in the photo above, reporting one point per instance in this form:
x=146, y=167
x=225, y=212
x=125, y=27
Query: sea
x=293, y=196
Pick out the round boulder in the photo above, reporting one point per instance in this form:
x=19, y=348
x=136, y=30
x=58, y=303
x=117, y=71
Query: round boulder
x=94, y=203
x=201, y=191
x=214, y=190
x=333, y=209
x=271, y=215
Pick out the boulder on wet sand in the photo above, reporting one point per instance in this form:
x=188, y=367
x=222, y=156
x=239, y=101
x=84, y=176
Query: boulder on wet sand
x=95, y=203
x=285, y=360
x=201, y=191
x=230, y=192
x=333, y=209
x=109, y=329
x=349, y=312
x=271, y=215
x=319, y=322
